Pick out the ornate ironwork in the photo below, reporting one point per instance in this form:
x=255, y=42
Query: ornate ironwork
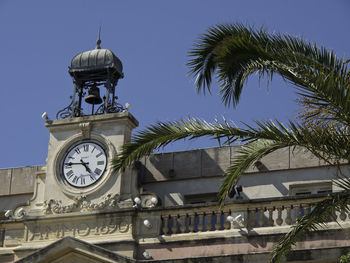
x=94, y=68
x=111, y=107
x=72, y=110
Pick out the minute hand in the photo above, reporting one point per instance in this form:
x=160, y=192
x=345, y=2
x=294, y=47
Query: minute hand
x=85, y=165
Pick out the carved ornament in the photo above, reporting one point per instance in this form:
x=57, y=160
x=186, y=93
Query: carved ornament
x=85, y=129
x=80, y=204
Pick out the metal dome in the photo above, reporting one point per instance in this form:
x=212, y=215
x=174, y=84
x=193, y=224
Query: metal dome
x=84, y=64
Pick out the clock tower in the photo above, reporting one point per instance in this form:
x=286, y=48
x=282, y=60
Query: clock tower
x=84, y=139
x=78, y=197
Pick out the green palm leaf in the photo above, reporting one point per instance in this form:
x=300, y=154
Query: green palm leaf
x=262, y=139
x=231, y=53
x=245, y=157
x=234, y=52
x=162, y=133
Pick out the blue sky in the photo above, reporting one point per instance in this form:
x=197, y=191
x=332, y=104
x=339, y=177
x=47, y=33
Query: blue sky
x=152, y=38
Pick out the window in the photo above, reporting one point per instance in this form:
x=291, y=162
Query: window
x=201, y=198
x=302, y=189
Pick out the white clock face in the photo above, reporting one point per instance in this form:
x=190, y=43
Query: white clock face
x=84, y=164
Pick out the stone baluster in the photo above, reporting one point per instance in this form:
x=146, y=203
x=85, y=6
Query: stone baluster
x=165, y=224
x=279, y=220
x=200, y=221
x=191, y=223
x=297, y=212
x=227, y=224
x=289, y=215
x=270, y=220
x=342, y=215
x=182, y=220
x=217, y=225
x=209, y=222
x=174, y=226
x=261, y=211
x=252, y=213
x=306, y=208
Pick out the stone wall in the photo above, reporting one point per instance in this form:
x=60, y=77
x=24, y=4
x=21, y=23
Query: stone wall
x=210, y=162
x=16, y=185
x=177, y=175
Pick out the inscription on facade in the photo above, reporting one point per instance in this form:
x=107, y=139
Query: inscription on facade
x=51, y=231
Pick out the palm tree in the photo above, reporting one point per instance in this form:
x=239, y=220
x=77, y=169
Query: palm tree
x=231, y=53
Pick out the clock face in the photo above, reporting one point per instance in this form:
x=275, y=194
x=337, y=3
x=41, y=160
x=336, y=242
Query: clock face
x=84, y=164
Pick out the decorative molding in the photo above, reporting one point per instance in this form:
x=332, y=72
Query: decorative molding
x=80, y=204
x=85, y=129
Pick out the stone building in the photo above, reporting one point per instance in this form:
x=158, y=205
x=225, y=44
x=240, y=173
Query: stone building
x=164, y=209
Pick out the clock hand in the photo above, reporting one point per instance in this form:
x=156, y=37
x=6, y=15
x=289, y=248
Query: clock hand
x=85, y=165
x=70, y=163
x=92, y=176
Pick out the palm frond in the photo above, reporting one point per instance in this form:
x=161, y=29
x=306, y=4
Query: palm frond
x=262, y=138
x=234, y=52
x=244, y=158
x=266, y=137
x=231, y=53
x=327, y=143
x=162, y=133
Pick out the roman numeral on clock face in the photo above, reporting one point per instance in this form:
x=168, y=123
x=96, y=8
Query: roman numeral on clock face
x=69, y=173
x=98, y=155
x=86, y=148
x=97, y=171
x=75, y=179
x=77, y=150
x=100, y=163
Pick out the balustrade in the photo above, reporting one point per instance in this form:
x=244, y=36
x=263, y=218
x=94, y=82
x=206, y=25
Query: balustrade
x=253, y=214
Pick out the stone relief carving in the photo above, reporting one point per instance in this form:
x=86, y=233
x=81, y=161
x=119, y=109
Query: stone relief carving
x=80, y=204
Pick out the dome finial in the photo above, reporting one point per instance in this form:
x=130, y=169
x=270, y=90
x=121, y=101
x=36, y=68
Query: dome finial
x=98, y=42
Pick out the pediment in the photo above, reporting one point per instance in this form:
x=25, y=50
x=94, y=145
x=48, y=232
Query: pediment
x=72, y=250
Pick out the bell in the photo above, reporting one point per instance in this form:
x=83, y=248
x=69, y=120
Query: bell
x=94, y=96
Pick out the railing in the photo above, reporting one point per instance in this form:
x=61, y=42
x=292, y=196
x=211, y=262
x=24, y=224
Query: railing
x=243, y=214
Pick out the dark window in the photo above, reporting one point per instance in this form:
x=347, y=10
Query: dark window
x=201, y=198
